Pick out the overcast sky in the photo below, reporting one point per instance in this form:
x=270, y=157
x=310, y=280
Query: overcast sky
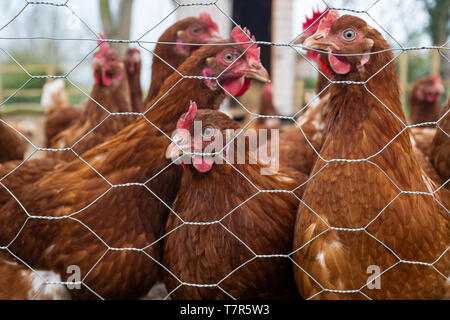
x=147, y=13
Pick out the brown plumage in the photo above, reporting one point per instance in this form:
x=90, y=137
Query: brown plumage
x=209, y=253
x=16, y=175
x=425, y=100
x=423, y=138
x=130, y=216
x=440, y=150
x=59, y=119
x=18, y=282
x=12, y=144
x=168, y=55
x=133, y=64
x=266, y=108
x=111, y=92
x=360, y=194
x=296, y=150
x=59, y=114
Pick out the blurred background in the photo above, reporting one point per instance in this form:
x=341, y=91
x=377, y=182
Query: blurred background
x=55, y=40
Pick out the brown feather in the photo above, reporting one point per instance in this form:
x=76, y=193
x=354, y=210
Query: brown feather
x=12, y=145
x=440, y=150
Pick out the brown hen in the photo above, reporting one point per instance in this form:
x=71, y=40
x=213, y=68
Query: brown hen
x=173, y=48
x=110, y=94
x=266, y=108
x=425, y=100
x=222, y=222
x=59, y=114
x=133, y=64
x=355, y=221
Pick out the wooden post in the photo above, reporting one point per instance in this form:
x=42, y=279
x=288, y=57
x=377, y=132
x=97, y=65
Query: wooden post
x=435, y=62
x=1, y=84
x=283, y=58
x=299, y=94
x=403, y=76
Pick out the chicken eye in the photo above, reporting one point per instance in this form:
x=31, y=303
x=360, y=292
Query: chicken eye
x=195, y=30
x=228, y=57
x=208, y=133
x=349, y=34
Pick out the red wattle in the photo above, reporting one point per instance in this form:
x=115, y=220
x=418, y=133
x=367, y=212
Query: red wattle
x=237, y=87
x=105, y=79
x=339, y=64
x=323, y=66
x=202, y=164
x=244, y=87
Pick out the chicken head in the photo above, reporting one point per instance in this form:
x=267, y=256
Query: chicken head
x=236, y=65
x=195, y=32
x=108, y=69
x=199, y=138
x=347, y=40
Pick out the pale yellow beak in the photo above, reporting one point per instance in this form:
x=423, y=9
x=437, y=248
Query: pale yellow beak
x=257, y=72
x=173, y=151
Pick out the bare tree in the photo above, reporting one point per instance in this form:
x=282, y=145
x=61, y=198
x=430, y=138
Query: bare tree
x=120, y=27
x=438, y=25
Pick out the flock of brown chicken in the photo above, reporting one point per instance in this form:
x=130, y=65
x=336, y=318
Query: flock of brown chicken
x=355, y=188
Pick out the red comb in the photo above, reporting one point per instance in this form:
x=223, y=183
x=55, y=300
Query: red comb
x=313, y=22
x=206, y=18
x=327, y=21
x=245, y=38
x=104, y=46
x=436, y=79
x=186, y=120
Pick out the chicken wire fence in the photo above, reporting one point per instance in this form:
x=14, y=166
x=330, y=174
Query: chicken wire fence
x=294, y=118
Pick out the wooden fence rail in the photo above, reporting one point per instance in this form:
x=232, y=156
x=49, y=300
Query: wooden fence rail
x=50, y=70
x=300, y=91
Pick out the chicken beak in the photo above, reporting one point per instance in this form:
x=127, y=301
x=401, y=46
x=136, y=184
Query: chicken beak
x=181, y=34
x=257, y=72
x=317, y=41
x=173, y=152
x=97, y=63
x=300, y=40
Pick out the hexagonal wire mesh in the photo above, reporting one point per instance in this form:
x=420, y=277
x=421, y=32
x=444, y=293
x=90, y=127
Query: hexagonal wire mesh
x=73, y=216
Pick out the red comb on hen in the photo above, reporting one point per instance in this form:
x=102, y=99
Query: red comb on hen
x=327, y=21
x=245, y=39
x=436, y=79
x=313, y=23
x=206, y=18
x=104, y=46
x=186, y=120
